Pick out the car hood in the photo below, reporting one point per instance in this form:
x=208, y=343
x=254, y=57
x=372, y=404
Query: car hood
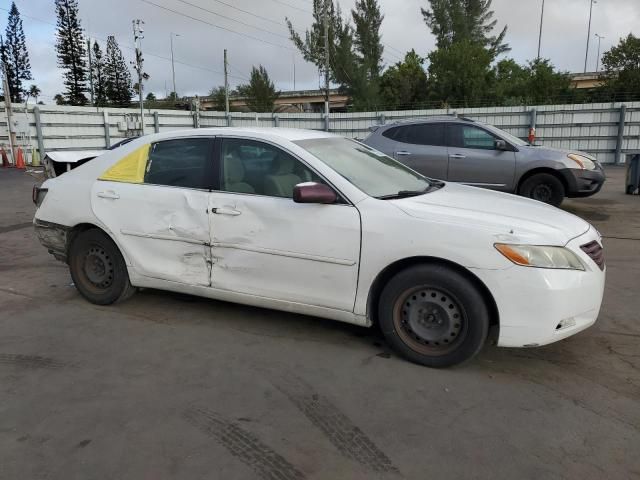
x=507, y=217
x=556, y=153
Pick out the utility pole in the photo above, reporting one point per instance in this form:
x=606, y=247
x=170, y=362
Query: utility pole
x=600, y=37
x=7, y=106
x=540, y=34
x=173, y=67
x=137, y=36
x=586, y=53
x=226, y=84
x=90, y=70
x=325, y=16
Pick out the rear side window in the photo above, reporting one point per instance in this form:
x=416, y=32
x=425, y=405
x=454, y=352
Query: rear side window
x=418, y=134
x=468, y=136
x=184, y=162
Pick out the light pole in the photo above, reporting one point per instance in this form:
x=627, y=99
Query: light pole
x=540, y=34
x=586, y=53
x=173, y=68
x=600, y=37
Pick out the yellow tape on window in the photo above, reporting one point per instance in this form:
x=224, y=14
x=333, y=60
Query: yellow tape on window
x=129, y=169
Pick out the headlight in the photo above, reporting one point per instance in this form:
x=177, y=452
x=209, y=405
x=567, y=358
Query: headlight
x=540, y=256
x=584, y=163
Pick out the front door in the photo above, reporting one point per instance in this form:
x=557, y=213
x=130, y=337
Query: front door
x=155, y=201
x=422, y=147
x=475, y=160
x=265, y=244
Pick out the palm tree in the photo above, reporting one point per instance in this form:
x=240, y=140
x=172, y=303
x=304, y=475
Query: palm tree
x=34, y=92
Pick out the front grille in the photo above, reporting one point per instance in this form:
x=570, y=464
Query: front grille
x=595, y=252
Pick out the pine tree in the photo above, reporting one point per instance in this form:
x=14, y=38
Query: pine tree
x=454, y=21
x=97, y=72
x=117, y=76
x=367, y=20
x=71, y=51
x=260, y=91
x=14, y=55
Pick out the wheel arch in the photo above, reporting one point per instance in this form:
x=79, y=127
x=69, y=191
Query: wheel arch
x=534, y=171
x=388, y=272
x=77, y=229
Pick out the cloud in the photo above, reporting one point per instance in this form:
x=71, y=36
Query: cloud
x=199, y=48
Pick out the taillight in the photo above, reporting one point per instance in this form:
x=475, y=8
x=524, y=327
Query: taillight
x=38, y=194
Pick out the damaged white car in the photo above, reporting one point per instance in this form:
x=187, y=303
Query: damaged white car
x=310, y=222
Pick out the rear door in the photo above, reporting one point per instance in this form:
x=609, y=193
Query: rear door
x=474, y=159
x=421, y=147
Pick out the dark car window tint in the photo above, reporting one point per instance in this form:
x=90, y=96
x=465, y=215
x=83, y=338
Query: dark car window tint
x=180, y=163
x=259, y=168
x=418, y=134
x=468, y=136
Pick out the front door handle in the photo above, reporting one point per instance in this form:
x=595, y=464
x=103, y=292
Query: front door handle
x=109, y=194
x=457, y=155
x=225, y=211
x=403, y=153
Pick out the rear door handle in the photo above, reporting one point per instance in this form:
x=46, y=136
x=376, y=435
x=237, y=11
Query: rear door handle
x=225, y=211
x=108, y=194
x=403, y=153
x=457, y=155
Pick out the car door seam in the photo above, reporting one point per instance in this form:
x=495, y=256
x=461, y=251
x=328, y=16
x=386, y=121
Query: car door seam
x=283, y=253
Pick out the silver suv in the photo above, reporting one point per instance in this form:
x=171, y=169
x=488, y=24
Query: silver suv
x=461, y=150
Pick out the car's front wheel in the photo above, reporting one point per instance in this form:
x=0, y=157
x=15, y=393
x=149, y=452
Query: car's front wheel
x=543, y=187
x=433, y=315
x=98, y=269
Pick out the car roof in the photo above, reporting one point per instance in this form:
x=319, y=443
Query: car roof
x=266, y=133
x=435, y=118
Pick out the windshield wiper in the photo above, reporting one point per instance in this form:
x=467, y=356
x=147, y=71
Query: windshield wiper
x=434, y=185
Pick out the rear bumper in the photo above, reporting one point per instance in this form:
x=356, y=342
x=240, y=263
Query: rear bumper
x=583, y=183
x=53, y=237
x=539, y=306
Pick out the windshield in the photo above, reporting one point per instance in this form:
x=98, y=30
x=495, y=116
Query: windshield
x=372, y=172
x=506, y=135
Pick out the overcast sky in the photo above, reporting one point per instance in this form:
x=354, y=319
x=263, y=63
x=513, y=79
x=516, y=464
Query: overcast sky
x=199, y=47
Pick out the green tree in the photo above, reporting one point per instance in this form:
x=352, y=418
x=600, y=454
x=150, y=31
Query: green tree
x=622, y=66
x=260, y=92
x=546, y=85
x=453, y=21
x=70, y=47
x=510, y=82
x=14, y=55
x=97, y=71
x=60, y=100
x=117, y=76
x=367, y=20
x=217, y=94
x=151, y=97
x=404, y=84
x=460, y=74
x=34, y=92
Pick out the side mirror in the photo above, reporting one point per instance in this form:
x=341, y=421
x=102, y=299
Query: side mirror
x=502, y=145
x=312, y=192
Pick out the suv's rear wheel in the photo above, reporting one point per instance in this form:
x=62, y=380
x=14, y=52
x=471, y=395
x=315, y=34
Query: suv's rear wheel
x=433, y=315
x=544, y=187
x=98, y=269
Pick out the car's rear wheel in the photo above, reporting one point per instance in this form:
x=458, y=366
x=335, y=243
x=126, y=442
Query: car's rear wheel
x=433, y=315
x=544, y=187
x=98, y=269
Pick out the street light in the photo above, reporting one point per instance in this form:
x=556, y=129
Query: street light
x=173, y=68
x=540, y=34
x=600, y=37
x=586, y=53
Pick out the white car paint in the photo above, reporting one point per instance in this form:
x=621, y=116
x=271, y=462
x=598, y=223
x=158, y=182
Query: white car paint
x=324, y=259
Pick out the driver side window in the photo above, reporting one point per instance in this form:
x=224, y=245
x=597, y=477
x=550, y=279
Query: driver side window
x=467, y=136
x=253, y=167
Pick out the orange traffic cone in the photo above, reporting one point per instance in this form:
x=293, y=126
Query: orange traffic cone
x=5, y=159
x=20, y=159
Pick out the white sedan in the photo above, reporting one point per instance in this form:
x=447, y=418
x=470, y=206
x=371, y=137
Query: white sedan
x=314, y=223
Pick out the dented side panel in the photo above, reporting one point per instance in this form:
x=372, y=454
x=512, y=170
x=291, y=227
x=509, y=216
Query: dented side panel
x=275, y=248
x=163, y=230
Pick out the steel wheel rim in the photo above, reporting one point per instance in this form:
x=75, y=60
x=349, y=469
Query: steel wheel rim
x=542, y=193
x=429, y=320
x=98, y=268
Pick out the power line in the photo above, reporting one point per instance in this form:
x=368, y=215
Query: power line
x=275, y=22
x=233, y=19
x=214, y=25
x=292, y=6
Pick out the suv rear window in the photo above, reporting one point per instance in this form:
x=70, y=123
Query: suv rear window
x=418, y=134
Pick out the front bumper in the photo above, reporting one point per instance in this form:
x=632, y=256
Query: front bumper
x=583, y=183
x=539, y=306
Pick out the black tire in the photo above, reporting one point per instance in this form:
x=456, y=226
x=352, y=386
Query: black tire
x=433, y=315
x=630, y=189
x=544, y=187
x=98, y=269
